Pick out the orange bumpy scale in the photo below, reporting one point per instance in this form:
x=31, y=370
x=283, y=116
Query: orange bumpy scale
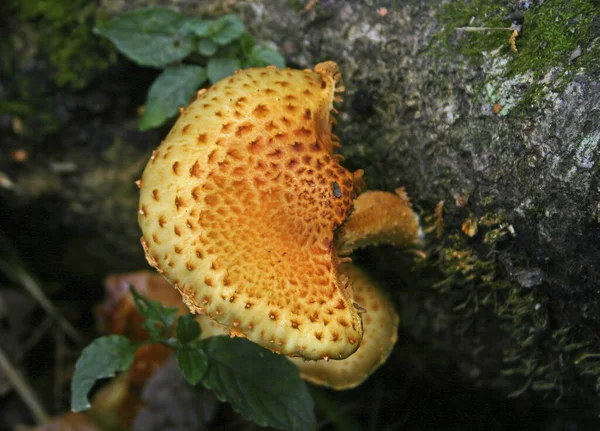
x=239, y=205
x=380, y=334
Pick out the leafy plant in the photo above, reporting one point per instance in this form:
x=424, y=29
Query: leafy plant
x=189, y=50
x=264, y=387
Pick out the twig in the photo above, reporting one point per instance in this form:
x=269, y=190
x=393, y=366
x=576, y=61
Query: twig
x=23, y=389
x=16, y=271
x=310, y=4
x=483, y=29
x=59, y=363
x=38, y=332
x=34, y=289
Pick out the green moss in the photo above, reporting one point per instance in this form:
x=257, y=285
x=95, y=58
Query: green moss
x=551, y=32
x=505, y=329
x=66, y=35
x=295, y=5
x=476, y=13
x=554, y=30
x=49, y=43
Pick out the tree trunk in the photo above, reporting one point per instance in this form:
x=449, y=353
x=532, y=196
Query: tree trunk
x=503, y=144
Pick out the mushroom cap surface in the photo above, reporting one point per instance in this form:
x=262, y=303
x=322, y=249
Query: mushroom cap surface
x=238, y=208
x=380, y=325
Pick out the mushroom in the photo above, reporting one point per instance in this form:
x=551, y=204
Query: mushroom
x=380, y=325
x=380, y=218
x=239, y=205
x=118, y=315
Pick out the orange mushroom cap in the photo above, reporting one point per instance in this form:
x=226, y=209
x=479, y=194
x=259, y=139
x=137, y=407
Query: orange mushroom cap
x=380, y=325
x=239, y=205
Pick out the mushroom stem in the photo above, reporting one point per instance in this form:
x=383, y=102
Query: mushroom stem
x=380, y=218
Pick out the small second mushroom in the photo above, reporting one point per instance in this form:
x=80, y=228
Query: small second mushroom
x=380, y=325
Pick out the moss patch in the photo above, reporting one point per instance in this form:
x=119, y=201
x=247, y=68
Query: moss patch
x=554, y=34
x=49, y=46
x=514, y=337
x=477, y=13
x=66, y=35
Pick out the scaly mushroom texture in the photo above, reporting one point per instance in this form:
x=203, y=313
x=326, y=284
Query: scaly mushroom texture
x=380, y=334
x=380, y=325
x=239, y=205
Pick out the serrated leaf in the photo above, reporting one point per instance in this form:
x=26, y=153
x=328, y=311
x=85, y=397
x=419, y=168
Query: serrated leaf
x=221, y=67
x=188, y=329
x=152, y=37
x=264, y=387
x=102, y=358
x=198, y=27
x=193, y=362
x=172, y=88
x=261, y=56
x=153, y=311
x=207, y=47
x=226, y=29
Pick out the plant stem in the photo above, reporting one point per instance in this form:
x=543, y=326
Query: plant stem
x=23, y=389
x=34, y=289
x=482, y=29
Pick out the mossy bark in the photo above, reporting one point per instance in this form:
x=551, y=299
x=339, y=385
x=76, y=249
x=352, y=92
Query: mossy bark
x=510, y=148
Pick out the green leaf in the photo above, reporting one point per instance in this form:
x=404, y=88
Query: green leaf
x=188, y=329
x=221, y=67
x=246, y=43
x=102, y=358
x=207, y=47
x=261, y=56
x=192, y=361
x=173, y=88
x=262, y=386
x=152, y=37
x=198, y=27
x=226, y=29
x=153, y=311
x=155, y=328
